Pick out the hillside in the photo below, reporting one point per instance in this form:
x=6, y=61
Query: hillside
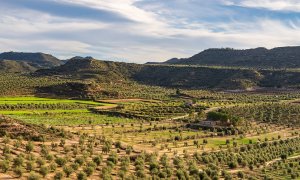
x=33, y=60
x=280, y=58
x=89, y=68
x=10, y=66
x=173, y=76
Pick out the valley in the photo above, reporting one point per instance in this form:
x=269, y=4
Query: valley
x=92, y=119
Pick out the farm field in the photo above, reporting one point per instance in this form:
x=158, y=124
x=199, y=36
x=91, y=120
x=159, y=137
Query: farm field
x=144, y=138
x=54, y=112
x=150, y=90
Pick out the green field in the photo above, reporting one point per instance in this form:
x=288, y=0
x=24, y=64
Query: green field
x=39, y=100
x=69, y=118
x=56, y=117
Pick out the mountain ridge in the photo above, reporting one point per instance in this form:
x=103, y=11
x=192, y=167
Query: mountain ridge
x=27, y=61
x=279, y=57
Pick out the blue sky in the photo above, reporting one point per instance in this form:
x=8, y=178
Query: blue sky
x=145, y=30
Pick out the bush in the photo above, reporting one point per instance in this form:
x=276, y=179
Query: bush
x=58, y=176
x=80, y=160
x=4, y=165
x=29, y=147
x=232, y=165
x=44, y=170
x=33, y=176
x=53, y=167
x=68, y=170
x=18, y=161
x=89, y=171
x=113, y=157
x=97, y=160
x=40, y=161
x=140, y=174
x=60, y=161
x=29, y=166
x=241, y=174
x=18, y=171
x=81, y=176
x=75, y=166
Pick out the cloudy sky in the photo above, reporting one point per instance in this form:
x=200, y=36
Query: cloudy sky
x=145, y=30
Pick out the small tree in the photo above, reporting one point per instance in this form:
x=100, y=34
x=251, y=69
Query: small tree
x=4, y=165
x=97, y=160
x=58, y=176
x=33, y=176
x=89, y=171
x=52, y=167
x=44, y=170
x=18, y=161
x=81, y=176
x=68, y=170
x=18, y=171
x=80, y=160
x=29, y=147
x=29, y=166
x=60, y=161
x=40, y=161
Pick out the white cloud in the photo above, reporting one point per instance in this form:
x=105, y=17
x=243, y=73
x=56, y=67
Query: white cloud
x=274, y=5
x=63, y=48
x=153, y=36
x=30, y=22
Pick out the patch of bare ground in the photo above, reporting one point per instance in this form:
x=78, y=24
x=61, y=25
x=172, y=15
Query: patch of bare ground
x=126, y=100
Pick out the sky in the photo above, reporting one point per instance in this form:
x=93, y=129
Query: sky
x=145, y=30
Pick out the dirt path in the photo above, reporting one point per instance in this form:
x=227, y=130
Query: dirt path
x=278, y=159
x=125, y=100
x=113, y=103
x=5, y=176
x=266, y=164
x=105, y=107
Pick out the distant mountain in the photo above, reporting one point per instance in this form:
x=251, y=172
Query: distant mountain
x=15, y=66
x=172, y=76
x=281, y=57
x=34, y=60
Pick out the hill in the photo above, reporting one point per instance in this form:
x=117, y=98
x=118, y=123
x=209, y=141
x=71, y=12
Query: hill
x=89, y=68
x=15, y=66
x=280, y=58
x=172, y=76
x=30, y=60
x=16, y=128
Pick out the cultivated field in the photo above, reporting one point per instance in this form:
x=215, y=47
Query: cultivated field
x=159, y=138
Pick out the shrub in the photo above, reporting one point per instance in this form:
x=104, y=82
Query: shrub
x=4, y=165
x=68, y=170
x=74, y=166
x=29, y=147
x=80, y=160
x=40, y=161
x=18, y=161
x=44, y=170
x=52, y=167
x=60, y=161
x=89, y=171
x=232, y=165
x=18, y=171
x=97, y=160
x=81, y=176
x=58, y=176
x=33, y=176
x=29, y=166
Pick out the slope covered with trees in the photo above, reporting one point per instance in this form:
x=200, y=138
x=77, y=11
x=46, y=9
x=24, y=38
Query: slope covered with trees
x=173, y=76
x=282, y=57
x=15, y=66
